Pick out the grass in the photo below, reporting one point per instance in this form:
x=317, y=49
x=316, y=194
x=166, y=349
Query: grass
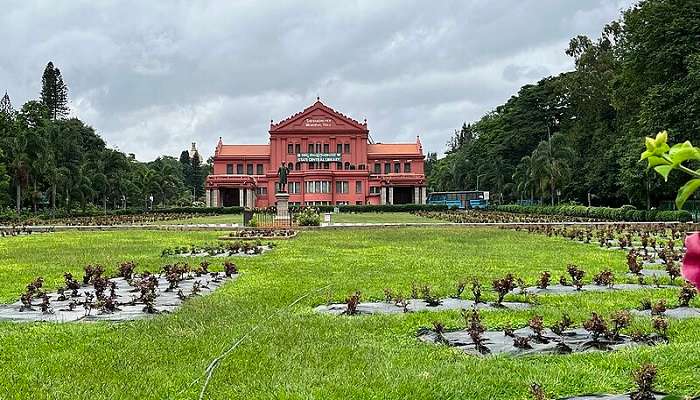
x=298, y=354
x=208, y=219
x=386, y=217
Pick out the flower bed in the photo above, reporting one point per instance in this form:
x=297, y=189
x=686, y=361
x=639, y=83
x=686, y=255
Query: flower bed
x=238, y=248
x=260, y=233
x=121, y=298
x=415, y=305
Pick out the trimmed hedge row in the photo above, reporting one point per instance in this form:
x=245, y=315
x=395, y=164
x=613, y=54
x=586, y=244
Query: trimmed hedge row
x=10, y=216
x=606, y=213
x=381, y=208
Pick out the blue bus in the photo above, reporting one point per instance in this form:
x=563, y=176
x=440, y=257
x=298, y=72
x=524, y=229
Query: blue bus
x=461, y=199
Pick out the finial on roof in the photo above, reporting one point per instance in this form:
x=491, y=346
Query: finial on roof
x=365, y=120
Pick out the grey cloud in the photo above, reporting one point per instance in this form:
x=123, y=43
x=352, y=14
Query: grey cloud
x=153, y=76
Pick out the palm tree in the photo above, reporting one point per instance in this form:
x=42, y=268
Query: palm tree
x=19, y=165
x=552, y=163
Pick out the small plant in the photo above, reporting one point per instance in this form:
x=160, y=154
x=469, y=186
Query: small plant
x=502, y=287
x=400, y=301
x=645, y=304
x=203, y=268
x=688, y=292
x=536, y=323
x=522, y=342
x=475, y=329
x=544, y=280
x=230, y=269
x=459, y=289
x=644, y=379
x=672, y=269
x=45, y=305
x=126, y=269
x=605, y=278
x=597, y=326
x=388, y=295
x=439, y=329
x=71, y=284
x=196, y=288
x=562, y=280
x=562, y=325
x=92, y=271
x=414, y=290
x=352, y=302
x=149, y=303
x=576, y=275
x=430, y=299
x=537, y=392
x=659, y=308
x=26, y=300
x=476, y=290
x=633, y=263
x=660, y=325
x=620, y=320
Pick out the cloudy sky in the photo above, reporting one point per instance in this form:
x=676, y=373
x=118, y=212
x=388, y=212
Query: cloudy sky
x=153, y=76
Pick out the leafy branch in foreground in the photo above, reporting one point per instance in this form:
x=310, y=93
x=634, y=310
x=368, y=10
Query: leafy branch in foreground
x=664, y=159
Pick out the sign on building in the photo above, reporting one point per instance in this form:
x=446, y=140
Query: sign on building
x=318, y=157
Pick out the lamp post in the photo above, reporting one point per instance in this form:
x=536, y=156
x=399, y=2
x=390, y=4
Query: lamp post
x=477, y=181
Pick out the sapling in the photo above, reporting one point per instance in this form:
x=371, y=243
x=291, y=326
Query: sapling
x=149, y=302
x=562, y=280
x=686, y=295
x=439, y=329
x=562, y=325
x=46, y=305
x=230, y=269
x=633, y=263
x=672, y=269
x=460, y=289
x=92, y=271
x=476, y=290
x=644, y=378
x=660, y=325
x=605, y=278
x=126, y=269
x=352, y=302
x=620, y=320
x=544, y=280
x=388, y=295
x=597, y=326
x=430, y=299
x=576, y=275
x=522, y=342
x=502, y=287
x=537, y=392
x=475, y=329
x=659, y=308
x=536, y=323
x=71, y=284
x=645, y=304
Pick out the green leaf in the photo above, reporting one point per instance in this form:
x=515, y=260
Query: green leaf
x=661, y=138
x=686, y=191
x=683, y=152
x=655, y=161
x=664, y=170
x=650, y=144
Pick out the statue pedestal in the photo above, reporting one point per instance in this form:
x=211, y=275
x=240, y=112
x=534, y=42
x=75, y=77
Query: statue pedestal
x=282, y=207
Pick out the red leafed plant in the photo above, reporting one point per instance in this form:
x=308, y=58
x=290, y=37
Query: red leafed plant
x=644, y=378
x=502, y=287
x=596, y=325
x=351, y=303
x=126, y=269
x=230, y=269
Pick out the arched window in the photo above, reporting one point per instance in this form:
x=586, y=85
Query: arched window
x=298, y=166
x=290, y=166
x=347, y=165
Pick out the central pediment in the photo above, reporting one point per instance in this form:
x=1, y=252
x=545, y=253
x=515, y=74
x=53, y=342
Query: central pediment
x=318, y=118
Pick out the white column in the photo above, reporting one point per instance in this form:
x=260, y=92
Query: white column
x=416, y=195
x=424, y=196
x=250, y=198
x=391, y=195
x=241, y=198
x=383, y=196
x=207, y=202
x=215, y=198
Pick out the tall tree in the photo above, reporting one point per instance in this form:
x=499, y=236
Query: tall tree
x=54, y=92
x=6, y=105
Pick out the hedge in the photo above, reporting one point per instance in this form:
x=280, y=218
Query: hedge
x=605, y=213
x=381, y=208
x=11, y=216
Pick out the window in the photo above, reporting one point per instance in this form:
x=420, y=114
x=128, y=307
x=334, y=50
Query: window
x=397, y=168
x=261, y=171
x=387, y=168
x=342, y=203
x=312, y=165
x=338, y=165
x=318, y=147
x=261, y=191
x=377, y=168
x=374, y=190
x=290, y=149
x=347, y=147
x=341, y=187
x=358, y=186
x=318, y=186
x=311, y=147
x=359, y=203
x=239, y=169
x=361, y=167
x=290, y=166
x=250, y=169
x=297, y=148
x=407, y=167
x=339, y=148
x=326, y=165
x=326, y=148
x=229, y=169
x=347, y=165
x=294, y=187
x=297, y=166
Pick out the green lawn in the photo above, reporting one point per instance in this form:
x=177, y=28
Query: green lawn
x=208, y=219
x=297, y=354
x=387, y=217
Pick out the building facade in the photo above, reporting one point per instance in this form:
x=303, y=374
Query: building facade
x=330, y=160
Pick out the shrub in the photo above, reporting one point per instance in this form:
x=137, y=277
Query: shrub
x=644, y=379
x=596, y=325
x=602, y=213
x=687, y=294
x=308, y=216
x=620, y=320
x=604, y=278
x=351, y=304
x=544, y=280
x=576, y=275
x=476, y=290
x=126, y=269
x=503, y=286
x=660, y=325
x=475, y=329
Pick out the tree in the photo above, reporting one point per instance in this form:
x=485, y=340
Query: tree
x=552, y=164
x=54, y=92
x=197, y=176
x=6, y=105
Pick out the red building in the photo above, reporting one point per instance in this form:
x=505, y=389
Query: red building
x=331, y=162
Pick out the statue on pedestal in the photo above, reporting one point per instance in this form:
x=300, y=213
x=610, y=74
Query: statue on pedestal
x=282, y=172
